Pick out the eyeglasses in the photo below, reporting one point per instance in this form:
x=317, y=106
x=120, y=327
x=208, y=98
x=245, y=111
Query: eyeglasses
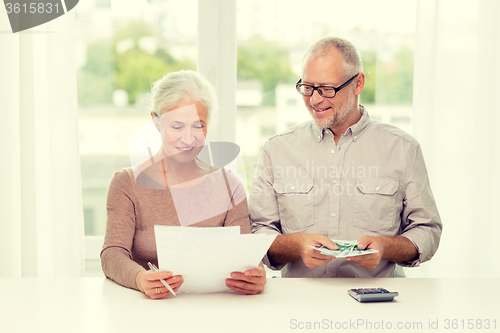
x=324, y=91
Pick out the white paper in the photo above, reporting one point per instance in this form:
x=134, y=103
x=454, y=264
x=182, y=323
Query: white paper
x=206, y=257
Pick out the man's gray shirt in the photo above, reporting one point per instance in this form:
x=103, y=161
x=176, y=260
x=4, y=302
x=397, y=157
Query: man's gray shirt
x=373, y=182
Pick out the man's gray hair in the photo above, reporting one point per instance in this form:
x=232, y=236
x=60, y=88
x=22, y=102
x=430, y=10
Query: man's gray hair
x=352, y=59
x=184, y=85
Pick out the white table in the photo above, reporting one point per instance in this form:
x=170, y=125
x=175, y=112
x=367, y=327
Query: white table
x=286, y=305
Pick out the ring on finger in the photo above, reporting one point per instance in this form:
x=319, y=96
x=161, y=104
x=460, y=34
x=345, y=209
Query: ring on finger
x=158, y=291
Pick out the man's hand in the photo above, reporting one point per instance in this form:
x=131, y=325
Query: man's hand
x=369, y=261
x=311, y=257
x=287, y=248
x=398, y=249
x=250, y=282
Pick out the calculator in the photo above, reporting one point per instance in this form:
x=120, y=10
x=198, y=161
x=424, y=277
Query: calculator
x=372, y=295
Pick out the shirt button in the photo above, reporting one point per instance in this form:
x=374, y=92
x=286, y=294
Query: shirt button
x=334, y=181
x=292, y=187
x=377, y=188
x=333, y=215
x=332, y=151
x=319, y=137
x=355, y=138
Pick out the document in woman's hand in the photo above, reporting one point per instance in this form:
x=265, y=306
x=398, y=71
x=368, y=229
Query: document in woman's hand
x=206, y=257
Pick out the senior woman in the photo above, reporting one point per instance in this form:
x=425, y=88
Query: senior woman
x=173, y=188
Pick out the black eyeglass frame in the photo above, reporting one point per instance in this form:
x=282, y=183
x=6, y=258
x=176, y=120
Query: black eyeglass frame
x=320, y=92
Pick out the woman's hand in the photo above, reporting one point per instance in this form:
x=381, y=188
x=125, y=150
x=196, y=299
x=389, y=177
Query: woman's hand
x=149, y=283
x=249, y=283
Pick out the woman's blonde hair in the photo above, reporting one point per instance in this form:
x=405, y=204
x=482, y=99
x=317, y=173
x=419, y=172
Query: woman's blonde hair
x=184, y=85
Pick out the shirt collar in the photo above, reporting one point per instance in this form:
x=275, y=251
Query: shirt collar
x=355, y=130
x=359, y=128
x=319, y=132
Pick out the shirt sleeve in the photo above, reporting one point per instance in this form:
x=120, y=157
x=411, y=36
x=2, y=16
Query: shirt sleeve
x=420, y=220
x=263, y=203
x=116, y=254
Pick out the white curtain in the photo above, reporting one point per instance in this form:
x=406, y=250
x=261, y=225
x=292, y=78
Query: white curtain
x=457, y=121
x=41, y=224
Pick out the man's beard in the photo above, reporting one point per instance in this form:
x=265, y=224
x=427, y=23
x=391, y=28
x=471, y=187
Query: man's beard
x=338, y=118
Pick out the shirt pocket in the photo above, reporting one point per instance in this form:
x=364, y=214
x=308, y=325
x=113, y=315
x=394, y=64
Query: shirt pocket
x=375, y=203
x=295, y=203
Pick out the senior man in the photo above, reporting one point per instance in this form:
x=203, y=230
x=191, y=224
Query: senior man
x=342, y=176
